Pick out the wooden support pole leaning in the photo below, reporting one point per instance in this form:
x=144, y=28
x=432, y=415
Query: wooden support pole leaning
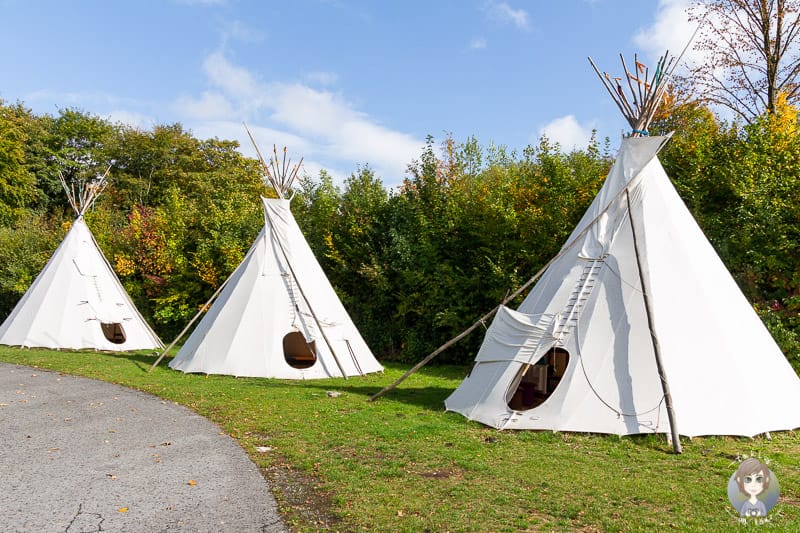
x=470, y=329
x=641, y=84
x=433, y=354
x=184, y=330
x=645, y=280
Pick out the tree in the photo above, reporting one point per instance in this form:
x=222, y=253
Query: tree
x=751, y=54
x=25, y=248
x=16, y=183
x=193, y=211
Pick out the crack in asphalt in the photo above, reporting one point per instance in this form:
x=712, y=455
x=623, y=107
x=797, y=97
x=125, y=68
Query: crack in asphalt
x=82, y=527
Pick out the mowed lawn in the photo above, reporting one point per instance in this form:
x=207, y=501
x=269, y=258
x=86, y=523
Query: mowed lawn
x=401, y=463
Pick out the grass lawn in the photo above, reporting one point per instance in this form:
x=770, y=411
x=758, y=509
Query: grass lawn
x=403, y=464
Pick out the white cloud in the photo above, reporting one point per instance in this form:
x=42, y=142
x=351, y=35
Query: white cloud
x=505, y=13
x=342, y=131
x=568, y=132
x=265, y=137
x=671, y=30
x=478, y=43
x=364, y=141
x=314, y=112
x=320, y=125
x=210, y=106
x=236, y=81
x=131, y=118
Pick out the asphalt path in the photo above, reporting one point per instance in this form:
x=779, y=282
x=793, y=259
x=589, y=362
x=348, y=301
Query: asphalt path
x=80, y=455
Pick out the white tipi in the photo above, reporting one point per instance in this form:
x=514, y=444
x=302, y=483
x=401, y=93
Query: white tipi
x=635, y=327
x=277, y=315
x=77, y=301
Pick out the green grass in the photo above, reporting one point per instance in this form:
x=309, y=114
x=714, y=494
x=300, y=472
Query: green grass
x=403, y=464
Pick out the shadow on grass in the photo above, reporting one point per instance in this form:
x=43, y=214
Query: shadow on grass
x=431, y=397
x=142, y=359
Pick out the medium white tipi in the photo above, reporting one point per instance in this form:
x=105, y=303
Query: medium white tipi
x=77, y=301
x=635, y=327
x=277, y=315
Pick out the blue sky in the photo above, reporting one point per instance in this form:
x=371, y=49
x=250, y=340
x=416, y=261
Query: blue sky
x=340, y=82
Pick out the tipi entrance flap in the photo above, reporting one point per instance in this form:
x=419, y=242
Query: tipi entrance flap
x=515, y=336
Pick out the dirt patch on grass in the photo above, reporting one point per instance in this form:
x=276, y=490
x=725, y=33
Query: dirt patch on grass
x=785, y=500
x=445, y=473
x=302, y=504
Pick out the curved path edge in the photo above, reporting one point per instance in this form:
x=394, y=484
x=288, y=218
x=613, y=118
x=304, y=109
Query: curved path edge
x=77, y=454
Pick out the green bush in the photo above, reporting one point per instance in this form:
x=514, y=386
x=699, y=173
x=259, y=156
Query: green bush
x=25, y=248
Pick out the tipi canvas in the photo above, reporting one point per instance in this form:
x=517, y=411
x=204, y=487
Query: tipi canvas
x=277, y=315
x=635, y=327
x=77, y=301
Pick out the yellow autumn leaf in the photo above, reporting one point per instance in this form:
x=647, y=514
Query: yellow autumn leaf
x=192, y=482
x=123, y=510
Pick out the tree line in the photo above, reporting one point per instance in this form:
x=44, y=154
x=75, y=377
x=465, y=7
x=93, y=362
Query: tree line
x=414, y=265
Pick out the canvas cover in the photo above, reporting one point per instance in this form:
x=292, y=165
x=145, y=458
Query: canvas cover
x=70, y=300
x=271, y=294
x=726, y=374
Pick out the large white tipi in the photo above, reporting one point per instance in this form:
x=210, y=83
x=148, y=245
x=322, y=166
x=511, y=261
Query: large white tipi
x=77, y=301
x=277, y=315
x=636, y=326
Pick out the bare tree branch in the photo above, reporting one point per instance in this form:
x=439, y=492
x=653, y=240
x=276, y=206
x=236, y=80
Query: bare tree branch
x=751, y=54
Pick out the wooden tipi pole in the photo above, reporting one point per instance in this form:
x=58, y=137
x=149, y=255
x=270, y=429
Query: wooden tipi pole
x=644, y=277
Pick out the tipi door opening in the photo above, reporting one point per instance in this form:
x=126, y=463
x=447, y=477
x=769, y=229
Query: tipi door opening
x=298, y=352
x=113, y=332
x=535, y=383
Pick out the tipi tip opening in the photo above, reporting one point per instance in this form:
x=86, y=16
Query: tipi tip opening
x=645, y=90
x=83, y=193
x=278, y=172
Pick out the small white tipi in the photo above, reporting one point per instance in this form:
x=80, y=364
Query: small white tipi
x=277, y=315
x=635, y=327
x=77, y=301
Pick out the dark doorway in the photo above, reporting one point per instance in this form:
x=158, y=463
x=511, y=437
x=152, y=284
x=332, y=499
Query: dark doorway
x=298, y=352
x=113, y=332
x=535, y=383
